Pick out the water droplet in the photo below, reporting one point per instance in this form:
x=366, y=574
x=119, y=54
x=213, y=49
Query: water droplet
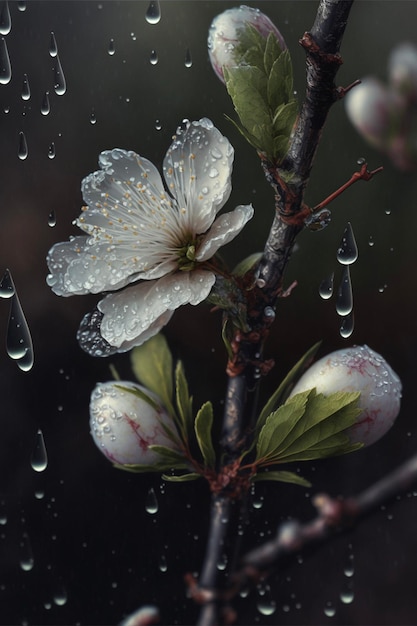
x=266, y=608
x=163, y=563
x=344, y=303
x=153, y=59
x=60, y=596
x=26, y=560
x=25, y=88
x=53, y=48
x=45, y=106
x=222, y=563
x=158, y=125
x=22, y=150
x=348, y=250
x=347, y=597
x=361, y=161
x=6, y=109
x=329, y=610
x=371, y=242
x=60, y=84
x=93, y=119
x=111, y=49
x=21, y=5
x=52, y=219
x=326, y=287
x=39, y=458
x=51, y=150
x=3, y=514
x=19, y=342
x=347, y=326
x=188, y=60
x=5, y=67
x=388, y=211
x=153, y=12
x=6, y=285
x=151, y=502
x=5, y=20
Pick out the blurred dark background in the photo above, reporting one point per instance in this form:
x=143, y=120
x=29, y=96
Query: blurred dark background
x=91, y=551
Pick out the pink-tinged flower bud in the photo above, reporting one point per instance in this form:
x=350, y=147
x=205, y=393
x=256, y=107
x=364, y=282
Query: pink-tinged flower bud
x=225, y=31
x=374, y=111
x=123, y=425
x=402, y=70
x=358, y=369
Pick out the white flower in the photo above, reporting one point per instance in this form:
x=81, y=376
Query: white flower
x=225, y=32
x=124, y=425
x=139, y=231
x=358, y=369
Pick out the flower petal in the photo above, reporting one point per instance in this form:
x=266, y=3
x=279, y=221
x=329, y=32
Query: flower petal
x=224, y=229
x=135, y=314
x=197, y=170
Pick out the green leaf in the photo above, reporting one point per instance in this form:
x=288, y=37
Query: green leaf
x=249, y=138
x=318, y=453
x=272, y=52
x=202, y=425
x=152, y=366
x=142, y=469
x=181, y=478
x=227, y=337
x=184, y=401
x=171, y=458
x=284, y=118
x=280, y=81
x=249, y=37
x=279, y=423
x=284, y=389
x=282, y=476
x=244, y=266
x=281, y=145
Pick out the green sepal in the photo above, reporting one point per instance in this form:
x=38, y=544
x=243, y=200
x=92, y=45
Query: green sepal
x=152, y=366
x=202, y=426
x=284, y=389
x=244, y=266
x=282, y=476
x=184, y=402
x=181, y=478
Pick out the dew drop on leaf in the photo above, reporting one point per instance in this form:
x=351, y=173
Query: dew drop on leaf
x=5, y=20
x=53, y=48
x=5, y=67
x=26, y=560
x=60, y=84
x=348, y=250
x=111, y=49
x=153, y=59
x=326, y=287
x=22, y=149
x=151, y=502
x=6, y=285
x=188, y=60
x=45, y=106
x=39, y=458
x=344, y=302
x=25, y=94
x=153, y=12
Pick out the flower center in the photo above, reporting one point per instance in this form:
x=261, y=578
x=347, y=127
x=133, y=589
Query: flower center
x=186, y=256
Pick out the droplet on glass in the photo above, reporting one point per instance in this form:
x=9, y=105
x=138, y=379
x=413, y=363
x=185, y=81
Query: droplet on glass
x=53, y=48
x=153, y=12
x=111, y=49
x=60, y=84
x=3, y=514
x=93, y=118
x=26, y=560
x=19, y=342
x=25, y=88
x=22, y=150
x=326, y=287
x=39, y=458
x=347, y=325
x=266, y=607
x=347, y=596
x=371, y=241
x=153, y=59
x=6, y=285
x=329, y=610
x=52, y=219
x=348, y=250
x=60, y=596
x=51, y=150
x=45, y=106
x=5, y=20
x=344, y=302
x=163, y=566
x=5, y=67
x=158, y=125
x=151, y=502
x=188, y=60
x=21, y=5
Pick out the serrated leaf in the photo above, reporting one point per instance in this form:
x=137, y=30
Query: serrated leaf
x=284, y=389
x=152, y=366
x=202, y=426
x=278, y=424
x=280, y=81
x=182, y=478
x=282, y=476
x=184, y=401
x=272, y=52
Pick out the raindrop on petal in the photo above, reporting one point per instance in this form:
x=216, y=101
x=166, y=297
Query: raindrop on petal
x=22, y=150
x=60, y=84
x=188, y=60
x=6, y=285
x=52, y=219
x=5, y=67
x=5, y=20
x=151, y=503
x=26, y=560
x=51, y=150
x=326, y=287
x=344, y=303
x=45, y=106
x=39, y=458
x=153, y=12
x=53, y=48
x=18, y=342
x=111, y=49
x=153, y=59
x=25, y=88
x=348, y=250
x=347, y=325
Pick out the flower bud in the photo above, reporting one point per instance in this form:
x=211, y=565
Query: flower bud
x=123, y=425
x=358, y=369
x=225, y=32
x=374, y=111
x=402, y=69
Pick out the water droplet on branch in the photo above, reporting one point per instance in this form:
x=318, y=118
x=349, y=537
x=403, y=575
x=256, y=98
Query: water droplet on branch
x=153, y=12
x=39, y=458
x=348, y=250
x=5, y=67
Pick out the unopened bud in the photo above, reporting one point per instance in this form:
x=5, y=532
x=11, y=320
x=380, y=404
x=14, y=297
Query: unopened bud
x=402, y=70
x=358, y=369
x=125, y=419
